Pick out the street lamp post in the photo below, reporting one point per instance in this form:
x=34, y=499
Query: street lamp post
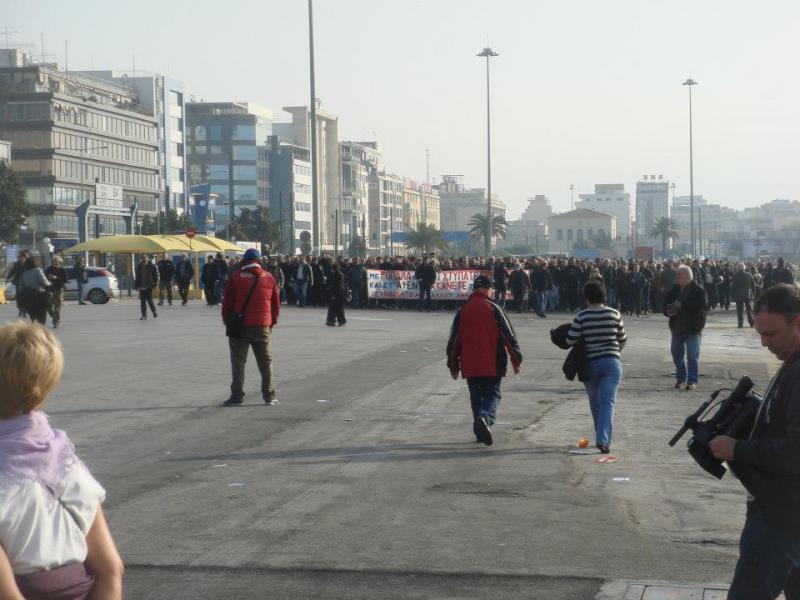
x=691, y=82
x=315, y=229
x=488, y=53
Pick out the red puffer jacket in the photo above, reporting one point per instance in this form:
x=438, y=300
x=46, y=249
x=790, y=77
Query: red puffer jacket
x=265, y=303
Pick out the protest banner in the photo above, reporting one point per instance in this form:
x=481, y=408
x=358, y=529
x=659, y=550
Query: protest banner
x=402, y=285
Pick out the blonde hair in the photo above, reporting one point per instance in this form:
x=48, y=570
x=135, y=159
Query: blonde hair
x=57, y=261
x=31, y=362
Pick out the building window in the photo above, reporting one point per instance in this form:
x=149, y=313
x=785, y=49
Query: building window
x=244, y=132
x=245, y=193
x=560, y=235
x=569, y=235
x=244, y=153
x=218, y=172
x=601, y=232
x=590, y=234
x=247, y=172
x=200, y=133
x=580, y=234
x=215, y=133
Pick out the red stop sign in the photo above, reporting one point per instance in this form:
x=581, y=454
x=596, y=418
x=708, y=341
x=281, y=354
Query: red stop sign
x=190, y=232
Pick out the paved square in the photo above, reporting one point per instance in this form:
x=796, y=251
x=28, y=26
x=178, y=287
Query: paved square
x=365, y=481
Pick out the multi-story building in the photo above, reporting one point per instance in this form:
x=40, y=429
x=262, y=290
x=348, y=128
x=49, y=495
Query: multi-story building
x=460, y=203
x=412, y=204
x=360, y=161
x=431, y=211
x=577, y=225
x=226, y=147
x=164, y=98
x=290, y=193
x=85, y=148
x=5, y=152
x=328, y=165
x=652, y=202
x=538, y=209
x=385, y=211
x=610, y=199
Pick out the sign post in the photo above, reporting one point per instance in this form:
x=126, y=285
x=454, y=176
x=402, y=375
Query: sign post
x=190, y=232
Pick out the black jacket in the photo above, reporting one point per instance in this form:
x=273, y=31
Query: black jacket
x=500, y=277
x=153, y=274
x=541, y=280
x=768, y=464
x=577, y=363
x=166, y=270
x=691, y=316
x=188, y=272
x=742, y=287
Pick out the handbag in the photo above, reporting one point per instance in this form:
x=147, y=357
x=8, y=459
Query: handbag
x=234, y=326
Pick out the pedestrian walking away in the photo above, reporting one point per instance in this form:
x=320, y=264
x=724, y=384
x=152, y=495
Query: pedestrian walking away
x=166, y=276
x=146, y=281
x=602, y=331
x=481, y=341
x=35, y=291
x=250, y=309
x=686, y=306
x=57, y=276
x=210, y=278
x=336, y=294
x=742, y=293
x=766, y=461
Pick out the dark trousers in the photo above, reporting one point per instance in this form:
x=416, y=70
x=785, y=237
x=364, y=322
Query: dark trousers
x=164, y=286
x=34, y=303
x=424, y=297
x=210, y=289
x=260, y=340
x=146, y=299
x=336, y=309
x=183, y=290
x=573, y=302
x=769, y=561
x=740, y=306
x=484, y=396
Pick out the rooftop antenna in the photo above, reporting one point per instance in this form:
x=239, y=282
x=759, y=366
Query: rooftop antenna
x=427, y=168
x=7, y=33
x=66, y=56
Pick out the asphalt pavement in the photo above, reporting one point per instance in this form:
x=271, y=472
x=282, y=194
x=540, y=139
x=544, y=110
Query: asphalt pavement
x=365, y=481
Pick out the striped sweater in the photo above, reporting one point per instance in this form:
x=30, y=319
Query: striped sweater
x=601, y=329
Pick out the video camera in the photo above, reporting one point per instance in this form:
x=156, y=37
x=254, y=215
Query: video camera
x=734, y=417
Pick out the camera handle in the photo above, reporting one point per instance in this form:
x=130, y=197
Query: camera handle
x=692, y=420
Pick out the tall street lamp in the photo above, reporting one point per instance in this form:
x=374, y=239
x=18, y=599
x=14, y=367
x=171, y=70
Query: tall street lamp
x=488, y=53
x=315, y=229
x=691, y=82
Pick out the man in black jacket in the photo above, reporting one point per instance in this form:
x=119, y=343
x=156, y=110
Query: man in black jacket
x=686, y=306
x=742, y=293
x=146, y=280
x=184, y=274
x=768, y=461
x=782, y=273
x=166, y=274
x=426, y=277
x=541, y=282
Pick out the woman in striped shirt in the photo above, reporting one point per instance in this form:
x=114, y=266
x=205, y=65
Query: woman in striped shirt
x=602, y=332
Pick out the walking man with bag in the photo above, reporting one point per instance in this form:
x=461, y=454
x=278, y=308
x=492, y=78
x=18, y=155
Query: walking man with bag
x=250, y=308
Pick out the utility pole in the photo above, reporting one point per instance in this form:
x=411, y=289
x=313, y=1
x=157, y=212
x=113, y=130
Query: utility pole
x=691, y=82
x=488, y=53
x=315, y=229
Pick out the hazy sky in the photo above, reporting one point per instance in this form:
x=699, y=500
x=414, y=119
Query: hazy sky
x=583, y=92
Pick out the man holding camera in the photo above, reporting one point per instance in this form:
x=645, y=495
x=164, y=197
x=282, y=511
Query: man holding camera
x=768, y=461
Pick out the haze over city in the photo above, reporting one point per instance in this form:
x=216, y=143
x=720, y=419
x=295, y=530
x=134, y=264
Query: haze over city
x=582, y=92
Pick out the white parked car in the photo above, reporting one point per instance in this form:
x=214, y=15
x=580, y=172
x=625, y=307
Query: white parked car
x=101, y=287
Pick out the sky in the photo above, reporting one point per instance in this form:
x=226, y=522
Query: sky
x=583, y=91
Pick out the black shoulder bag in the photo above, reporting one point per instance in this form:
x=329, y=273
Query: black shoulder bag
x=234, y=326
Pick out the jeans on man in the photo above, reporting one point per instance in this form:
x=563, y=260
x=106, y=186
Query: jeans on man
x=611, y=297
x=769, y=561
x=301, y=291
x=183, y=290
x=260, y=340
x=145, y=300
x=424, y=297
x=538, y=302
x=553, y=299
x=484, y=396
x=740, y=305
x=80, y=292
x=355, y=296
x=686, y=353
x=500, y=298
x=605, y=375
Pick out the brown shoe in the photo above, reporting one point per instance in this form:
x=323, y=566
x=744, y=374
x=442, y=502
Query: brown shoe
x=678, y=385
x=690, y=386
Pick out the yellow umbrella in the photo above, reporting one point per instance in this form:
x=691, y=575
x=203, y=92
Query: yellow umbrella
x=180, y=243
x=124, y=244
x=219, y=243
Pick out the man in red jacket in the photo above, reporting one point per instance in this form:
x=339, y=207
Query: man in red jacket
x=480, y=339
x=251, y=291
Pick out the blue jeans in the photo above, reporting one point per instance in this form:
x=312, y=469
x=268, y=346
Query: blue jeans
x=769, y=561
x=688, y=347
x=484, y=395
x=500, y=298
x=301, y=291
x=355, y=291
x=538, y=302
x=601, y=388
x=80, y=290
x=553, y=299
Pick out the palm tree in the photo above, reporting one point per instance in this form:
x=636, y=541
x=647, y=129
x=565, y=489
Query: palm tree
x=664, y=228
x=425, y=238
x=477, y=226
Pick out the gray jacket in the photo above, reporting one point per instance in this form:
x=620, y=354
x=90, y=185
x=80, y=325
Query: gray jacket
x=742, y=287
x=34, y=279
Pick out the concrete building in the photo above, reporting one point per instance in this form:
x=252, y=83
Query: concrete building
x=460, y=203
x=163, y=98
x=652, y=202
x=290, y=193
x=576, y=225
x=531, y=228
x=610, y=199
x=360, y=161
x=385, y=213
x=539, y=209
x=431, y=205
x=5, y=152
x=328, y=164
x=412, y=204
x=226, y=147
x=86, y=149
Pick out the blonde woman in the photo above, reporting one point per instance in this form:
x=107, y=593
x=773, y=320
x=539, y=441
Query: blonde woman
x=54, y=540
x=57, y=276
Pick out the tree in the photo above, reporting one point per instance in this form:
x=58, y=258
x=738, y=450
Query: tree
x=13, y=206
x=257, y=225
x=664, y=228
x=425, y=238
x=477, y=226
x=171, y=222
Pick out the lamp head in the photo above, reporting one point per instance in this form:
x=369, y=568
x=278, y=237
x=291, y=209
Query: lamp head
x=487, y=52
x=690, y=81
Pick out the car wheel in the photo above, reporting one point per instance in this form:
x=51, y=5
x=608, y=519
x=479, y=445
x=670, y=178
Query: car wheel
x=97, y=296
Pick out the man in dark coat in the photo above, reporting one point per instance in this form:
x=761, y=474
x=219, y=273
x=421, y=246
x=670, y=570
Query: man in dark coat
x=146, y=281
x=500, y=277
x=686, y=306
x=520, y=286
x=782, y=273
x=166, y=275
x=742, y=293
x=426, y=277
x=766, y=461
x=541, y=283
x=184, y=274
x=210, y=278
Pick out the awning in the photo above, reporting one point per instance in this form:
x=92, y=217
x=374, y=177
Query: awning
x=140, y=244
